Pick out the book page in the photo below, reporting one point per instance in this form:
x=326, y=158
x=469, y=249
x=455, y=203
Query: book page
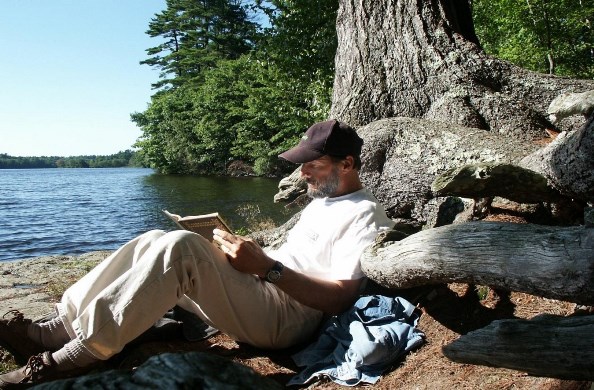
x=201, y=224
x=174, y=217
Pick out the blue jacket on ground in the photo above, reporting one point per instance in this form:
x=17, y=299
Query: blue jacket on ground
x=360, y=344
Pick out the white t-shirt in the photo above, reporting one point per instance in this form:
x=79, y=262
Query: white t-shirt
x=332, y=233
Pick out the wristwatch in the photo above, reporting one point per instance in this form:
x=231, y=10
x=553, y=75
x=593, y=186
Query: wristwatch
x=274, y=273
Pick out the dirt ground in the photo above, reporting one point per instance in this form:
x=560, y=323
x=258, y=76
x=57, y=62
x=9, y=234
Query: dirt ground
x=448, y=311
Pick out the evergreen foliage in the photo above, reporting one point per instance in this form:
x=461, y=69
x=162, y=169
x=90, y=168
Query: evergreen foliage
x=195, y=35
x=229, y=91
x=232, y=89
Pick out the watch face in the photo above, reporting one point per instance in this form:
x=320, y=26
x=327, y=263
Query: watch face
x=273, y=276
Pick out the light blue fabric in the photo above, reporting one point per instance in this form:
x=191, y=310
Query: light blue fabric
x=360, y=344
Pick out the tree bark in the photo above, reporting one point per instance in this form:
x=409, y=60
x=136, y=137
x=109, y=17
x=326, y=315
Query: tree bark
x=558, y=347
x=568, y=162
x=421, y=59
x=552, y=262
x=402, y=156
x=291, y=187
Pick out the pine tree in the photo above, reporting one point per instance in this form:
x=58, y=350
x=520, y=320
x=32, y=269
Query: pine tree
x=196, y=34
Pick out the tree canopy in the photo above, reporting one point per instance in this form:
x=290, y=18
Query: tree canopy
x=553, y=37
x=231, y=89
x=242, y=80
x=195, y=35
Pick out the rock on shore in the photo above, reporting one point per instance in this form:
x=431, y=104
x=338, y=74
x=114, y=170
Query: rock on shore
x=33, y=285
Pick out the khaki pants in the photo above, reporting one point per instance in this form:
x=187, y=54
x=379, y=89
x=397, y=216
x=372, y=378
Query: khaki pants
x=130, y=290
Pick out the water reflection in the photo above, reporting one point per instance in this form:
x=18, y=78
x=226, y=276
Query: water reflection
x=191, y=195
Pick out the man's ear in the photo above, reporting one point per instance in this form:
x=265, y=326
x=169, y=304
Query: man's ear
x=348, y=163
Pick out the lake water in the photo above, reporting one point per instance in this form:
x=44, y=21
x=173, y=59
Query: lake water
x=73, y=211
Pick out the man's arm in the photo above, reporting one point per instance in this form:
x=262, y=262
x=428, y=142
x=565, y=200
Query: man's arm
x=331, y=297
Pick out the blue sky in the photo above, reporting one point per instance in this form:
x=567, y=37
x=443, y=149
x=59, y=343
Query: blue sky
x=71, y=75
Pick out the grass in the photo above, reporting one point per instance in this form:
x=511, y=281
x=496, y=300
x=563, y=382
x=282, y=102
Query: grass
x=82, y=265
x=74, y=270
x=482, y=292
x=253, y=218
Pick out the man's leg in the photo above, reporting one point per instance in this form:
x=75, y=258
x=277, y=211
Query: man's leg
x=53, y=334
x=128, y=292
x=90, y=286
x=124, y=297
x=249, y=309
x=71, y=353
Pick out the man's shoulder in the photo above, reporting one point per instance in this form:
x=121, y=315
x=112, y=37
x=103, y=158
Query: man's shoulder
x=356, y=196
x=364, y=200
x=358, y=205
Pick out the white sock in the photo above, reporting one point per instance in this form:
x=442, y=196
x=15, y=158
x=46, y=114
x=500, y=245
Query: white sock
x=73, y=355
x=51, y=334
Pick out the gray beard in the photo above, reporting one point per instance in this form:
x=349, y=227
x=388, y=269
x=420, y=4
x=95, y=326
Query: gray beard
x=326, y=188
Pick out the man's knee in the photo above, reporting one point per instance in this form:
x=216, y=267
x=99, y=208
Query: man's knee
x=170, y=237
x=143, y=242
x=179, y=236
x=152, y=235
x=185, y=241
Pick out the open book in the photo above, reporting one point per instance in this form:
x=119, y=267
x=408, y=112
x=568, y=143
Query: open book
x=201, y=224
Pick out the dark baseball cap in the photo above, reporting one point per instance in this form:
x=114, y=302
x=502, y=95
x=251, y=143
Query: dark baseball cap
x=332, y=138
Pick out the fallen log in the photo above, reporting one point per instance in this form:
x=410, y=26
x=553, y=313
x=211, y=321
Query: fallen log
x=558, y=347
x=548, y=261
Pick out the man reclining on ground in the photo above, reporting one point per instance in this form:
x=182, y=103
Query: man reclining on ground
x=268, y=300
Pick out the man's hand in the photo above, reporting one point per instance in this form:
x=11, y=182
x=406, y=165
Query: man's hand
x=244, y=254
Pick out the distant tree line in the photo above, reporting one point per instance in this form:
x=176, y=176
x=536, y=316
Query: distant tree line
x=233, y=87
x=127, y=158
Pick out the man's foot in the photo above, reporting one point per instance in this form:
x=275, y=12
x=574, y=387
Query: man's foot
x=39, y=368
x=13, y=337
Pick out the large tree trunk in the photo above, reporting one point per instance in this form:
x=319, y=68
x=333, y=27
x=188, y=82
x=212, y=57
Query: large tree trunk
x=421, y=59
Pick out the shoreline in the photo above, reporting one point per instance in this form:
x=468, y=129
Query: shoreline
x=32, y=285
